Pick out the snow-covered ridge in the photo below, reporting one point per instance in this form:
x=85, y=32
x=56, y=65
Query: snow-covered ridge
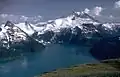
x=15, y=39
x=77, y=28
x=78, y=24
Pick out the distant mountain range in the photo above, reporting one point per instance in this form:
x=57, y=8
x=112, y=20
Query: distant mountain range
x=77, y=28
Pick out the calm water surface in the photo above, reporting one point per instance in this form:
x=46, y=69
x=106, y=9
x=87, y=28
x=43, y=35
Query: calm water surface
x=53, y=57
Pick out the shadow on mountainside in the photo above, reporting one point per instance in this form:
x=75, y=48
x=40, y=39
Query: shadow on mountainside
x=107, y=48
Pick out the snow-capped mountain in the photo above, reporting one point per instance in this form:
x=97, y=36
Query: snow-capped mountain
x=77, y=28
x=15, y=40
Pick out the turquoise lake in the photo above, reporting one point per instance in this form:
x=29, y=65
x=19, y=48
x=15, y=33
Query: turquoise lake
x=52, y=57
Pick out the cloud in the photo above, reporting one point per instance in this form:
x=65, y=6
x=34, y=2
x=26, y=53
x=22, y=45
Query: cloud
x=19, y=18
x=117, y=4
x=96, y=11
x=111, y=16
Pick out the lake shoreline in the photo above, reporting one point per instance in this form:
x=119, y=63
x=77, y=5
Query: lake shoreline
x=109, y=67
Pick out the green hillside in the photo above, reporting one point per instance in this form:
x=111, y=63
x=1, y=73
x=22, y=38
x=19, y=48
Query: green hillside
x=106, y=68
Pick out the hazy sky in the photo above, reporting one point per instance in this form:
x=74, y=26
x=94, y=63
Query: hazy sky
x=51, y=9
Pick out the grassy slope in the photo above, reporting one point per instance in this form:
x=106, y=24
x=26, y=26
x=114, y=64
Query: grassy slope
x=107, y=68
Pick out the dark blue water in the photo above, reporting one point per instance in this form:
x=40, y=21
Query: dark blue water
x=53, y=57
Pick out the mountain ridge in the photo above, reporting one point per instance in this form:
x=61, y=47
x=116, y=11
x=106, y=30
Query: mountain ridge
x=77, y=28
